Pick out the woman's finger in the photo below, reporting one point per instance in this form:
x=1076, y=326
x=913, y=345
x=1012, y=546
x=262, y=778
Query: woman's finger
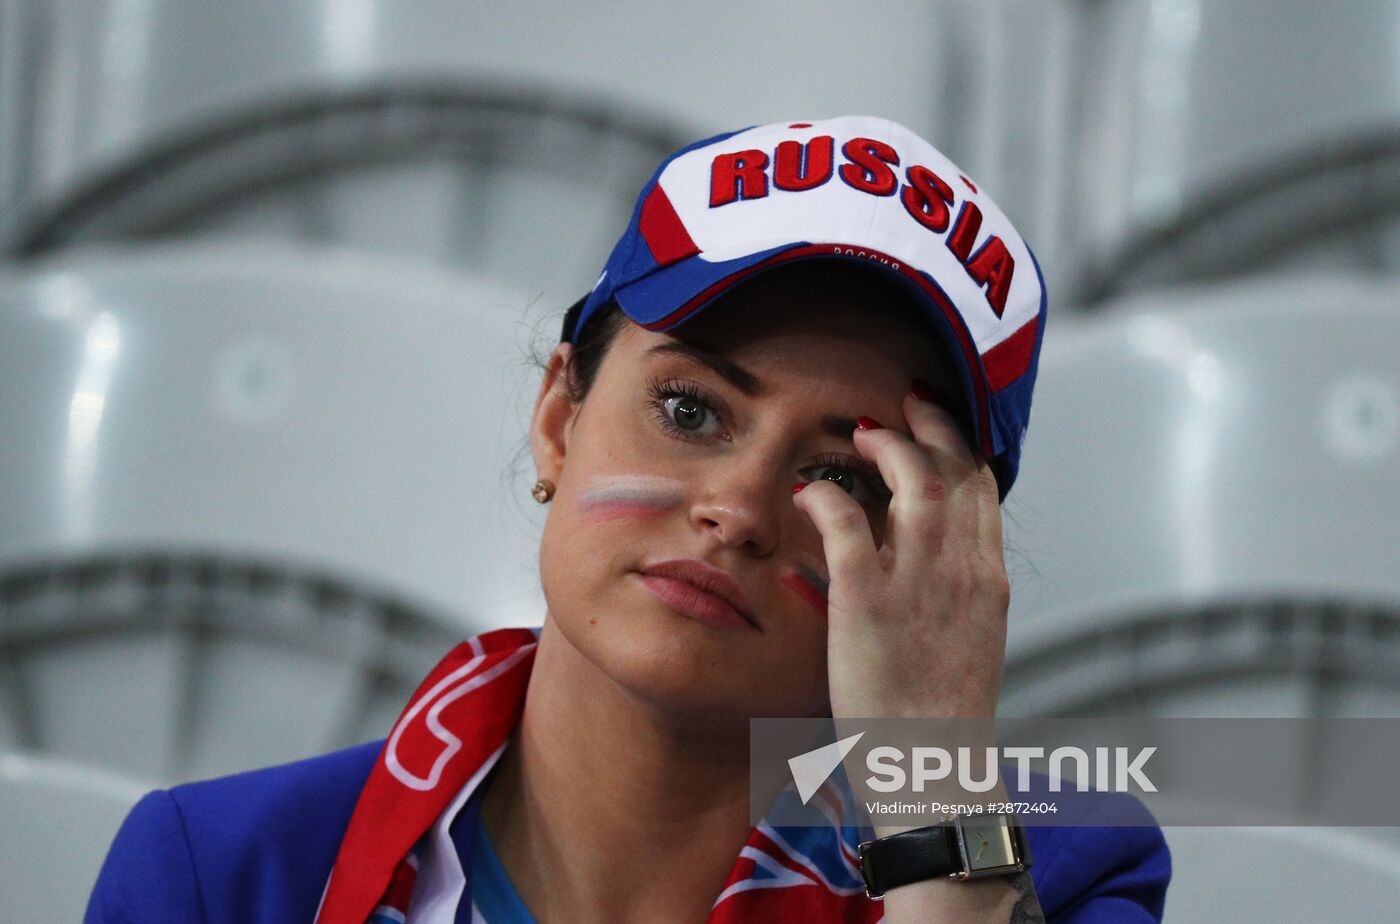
x=921, y=504
x=966, y=477
x=904, y=465
x=964, y=470
x=936, y=429
x=989, y=526
x=847, y=542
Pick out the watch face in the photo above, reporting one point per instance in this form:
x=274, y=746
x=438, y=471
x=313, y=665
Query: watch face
x=987, y=845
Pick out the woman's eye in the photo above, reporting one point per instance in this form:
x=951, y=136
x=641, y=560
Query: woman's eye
x=684, y=410
x=865, y=488
x=689, y=413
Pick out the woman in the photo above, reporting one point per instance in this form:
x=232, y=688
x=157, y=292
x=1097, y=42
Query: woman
x=733, y=534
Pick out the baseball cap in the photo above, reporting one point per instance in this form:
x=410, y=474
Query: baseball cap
x=853, y=188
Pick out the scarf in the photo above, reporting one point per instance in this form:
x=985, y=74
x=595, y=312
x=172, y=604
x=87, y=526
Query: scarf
x=447, y=739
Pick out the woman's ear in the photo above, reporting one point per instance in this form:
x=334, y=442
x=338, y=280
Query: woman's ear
x=549, y=425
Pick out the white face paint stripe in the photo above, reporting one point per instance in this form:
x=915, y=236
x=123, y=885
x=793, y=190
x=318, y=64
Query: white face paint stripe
x=634, y=489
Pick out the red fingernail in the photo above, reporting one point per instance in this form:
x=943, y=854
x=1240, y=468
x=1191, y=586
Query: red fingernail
x=799, y=485
x=868, y=423
x=921, y=390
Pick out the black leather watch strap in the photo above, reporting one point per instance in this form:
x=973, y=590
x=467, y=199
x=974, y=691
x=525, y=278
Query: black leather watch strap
x=909, y=856
x=964, y=848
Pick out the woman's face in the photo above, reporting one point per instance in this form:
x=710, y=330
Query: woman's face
x=687, y=447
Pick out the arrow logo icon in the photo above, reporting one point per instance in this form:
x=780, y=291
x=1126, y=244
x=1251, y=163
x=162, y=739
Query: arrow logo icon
x=810, y=770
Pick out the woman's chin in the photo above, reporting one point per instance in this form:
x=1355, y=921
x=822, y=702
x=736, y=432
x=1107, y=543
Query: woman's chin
x=671, y=660
x=675, y=665
x=698, y=673
x=693, y=687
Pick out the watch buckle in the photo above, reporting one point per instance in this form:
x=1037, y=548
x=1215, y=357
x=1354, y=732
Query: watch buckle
x=865, y=878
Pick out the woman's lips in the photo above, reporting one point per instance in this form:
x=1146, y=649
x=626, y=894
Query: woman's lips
x=694, y=602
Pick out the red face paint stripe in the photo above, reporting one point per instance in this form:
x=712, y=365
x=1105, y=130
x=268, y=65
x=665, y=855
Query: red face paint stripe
x=663, y=231
x=979, y=385
x=798, y=585
x=1008, y=361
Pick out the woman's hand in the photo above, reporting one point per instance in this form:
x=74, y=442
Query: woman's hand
x=916, y=627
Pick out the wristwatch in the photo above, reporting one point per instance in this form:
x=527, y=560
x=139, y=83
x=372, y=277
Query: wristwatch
x=966, y=847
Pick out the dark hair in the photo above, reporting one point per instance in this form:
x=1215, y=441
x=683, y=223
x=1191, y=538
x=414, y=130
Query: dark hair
x=591, y=347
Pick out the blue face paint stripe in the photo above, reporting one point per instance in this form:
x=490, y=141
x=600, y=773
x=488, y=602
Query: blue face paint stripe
x=813, y=577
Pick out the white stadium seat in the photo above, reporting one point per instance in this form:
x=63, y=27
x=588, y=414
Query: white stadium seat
x=1207, y=490
x=1228, y=875
x=57, y=819
x=251, y=496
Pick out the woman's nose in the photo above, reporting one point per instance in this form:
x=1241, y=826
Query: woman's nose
x=741, y=510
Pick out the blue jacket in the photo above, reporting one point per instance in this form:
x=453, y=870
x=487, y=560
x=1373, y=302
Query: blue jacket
x=258, y=847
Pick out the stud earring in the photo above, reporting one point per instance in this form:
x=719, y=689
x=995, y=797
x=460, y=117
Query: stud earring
x=543, y=490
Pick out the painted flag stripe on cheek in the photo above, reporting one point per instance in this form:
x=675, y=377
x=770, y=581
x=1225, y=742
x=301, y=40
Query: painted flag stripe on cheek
x=613, y=496
x=810, y=585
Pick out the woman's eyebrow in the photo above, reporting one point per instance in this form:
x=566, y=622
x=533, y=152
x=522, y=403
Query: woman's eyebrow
x=730, y=371
x=837, y=425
